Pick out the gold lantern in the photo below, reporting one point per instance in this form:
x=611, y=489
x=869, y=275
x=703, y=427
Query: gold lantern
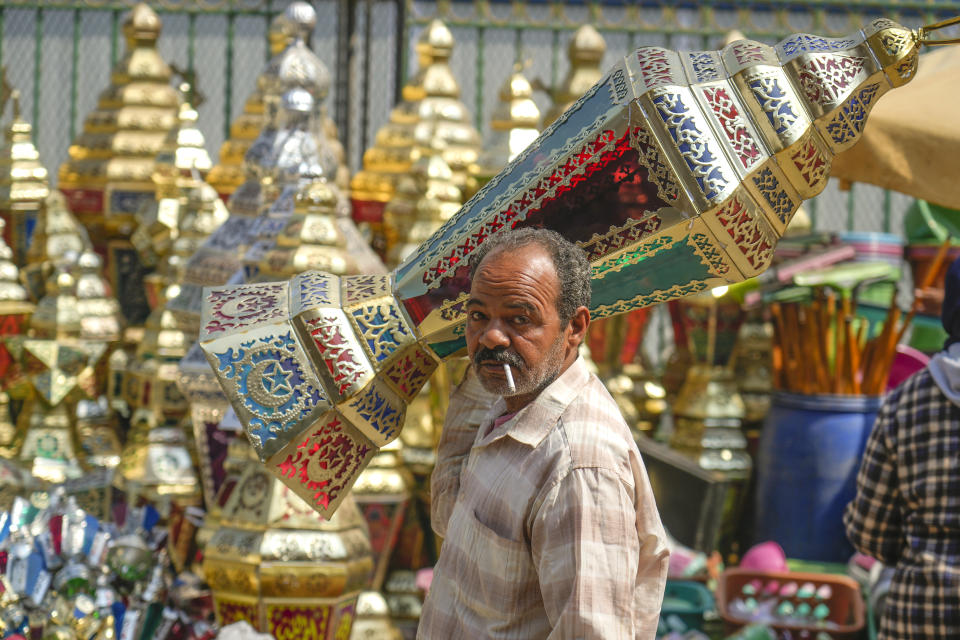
x=585, y=53
x=424, y=201
x=515, y=124
x=23, y=181
x=108, y=175
x=430, y=113
x=277, y=564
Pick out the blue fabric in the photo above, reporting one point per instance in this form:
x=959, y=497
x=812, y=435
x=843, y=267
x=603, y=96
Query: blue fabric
x=907, y=509
x=950, y=310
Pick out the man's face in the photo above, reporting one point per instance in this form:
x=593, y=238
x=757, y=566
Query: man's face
x=512, y=318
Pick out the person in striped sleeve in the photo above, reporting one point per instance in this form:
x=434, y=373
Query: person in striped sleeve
x=549, y=523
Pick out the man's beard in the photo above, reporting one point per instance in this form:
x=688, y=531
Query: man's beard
x=526, y=380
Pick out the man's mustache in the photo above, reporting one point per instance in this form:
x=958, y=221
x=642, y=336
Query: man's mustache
x=500, y=354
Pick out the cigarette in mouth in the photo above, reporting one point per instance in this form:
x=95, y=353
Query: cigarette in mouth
x=512, y=388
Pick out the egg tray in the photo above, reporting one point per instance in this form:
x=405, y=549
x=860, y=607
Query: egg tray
x=845, y=602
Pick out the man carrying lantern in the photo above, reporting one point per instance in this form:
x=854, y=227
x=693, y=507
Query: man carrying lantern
x=549, y=520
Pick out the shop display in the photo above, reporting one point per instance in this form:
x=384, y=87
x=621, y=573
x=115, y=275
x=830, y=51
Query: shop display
x=222, y=385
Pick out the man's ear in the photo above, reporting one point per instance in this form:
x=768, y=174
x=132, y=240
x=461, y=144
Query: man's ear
x=578, y=326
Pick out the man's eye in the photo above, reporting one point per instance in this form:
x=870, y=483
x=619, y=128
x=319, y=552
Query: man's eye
x=475, y=315
x=520, y=320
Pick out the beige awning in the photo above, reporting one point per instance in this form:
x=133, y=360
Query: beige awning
x=911, y=143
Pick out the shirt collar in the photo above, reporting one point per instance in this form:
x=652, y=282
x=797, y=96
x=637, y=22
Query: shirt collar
x=532, y=423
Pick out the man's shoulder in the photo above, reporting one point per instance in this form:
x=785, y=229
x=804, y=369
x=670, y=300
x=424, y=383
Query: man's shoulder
x=594, y=431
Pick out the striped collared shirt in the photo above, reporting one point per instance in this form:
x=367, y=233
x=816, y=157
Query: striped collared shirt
x=550, y=525
x=906, y=512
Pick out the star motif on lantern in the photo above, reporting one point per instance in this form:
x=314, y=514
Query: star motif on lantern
x=276, y=380
x=56, y=368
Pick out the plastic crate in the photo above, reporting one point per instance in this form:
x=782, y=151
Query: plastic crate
x=846, y=604
x=696, y=599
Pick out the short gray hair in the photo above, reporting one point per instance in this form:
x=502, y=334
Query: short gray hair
x=569, y=261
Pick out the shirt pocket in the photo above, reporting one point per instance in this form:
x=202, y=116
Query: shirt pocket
x=504, y=572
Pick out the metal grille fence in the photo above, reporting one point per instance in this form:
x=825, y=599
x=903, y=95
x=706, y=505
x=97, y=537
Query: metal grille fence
x=59, y=54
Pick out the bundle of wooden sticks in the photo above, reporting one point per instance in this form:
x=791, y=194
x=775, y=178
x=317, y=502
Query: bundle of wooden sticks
x=822, y=347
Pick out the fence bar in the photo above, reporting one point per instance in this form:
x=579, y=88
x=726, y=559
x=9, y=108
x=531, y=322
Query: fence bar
x=191, y=45
x=74, y=72
x=478, y=94
x=851, y=206
x=367, y=54
x=228, y=81
x=554, y=63
x=37, y=68
x=887, y=205
x=346, y=25
x=400, y=40
x=114, y=30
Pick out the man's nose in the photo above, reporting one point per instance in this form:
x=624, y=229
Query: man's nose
x=494, y=335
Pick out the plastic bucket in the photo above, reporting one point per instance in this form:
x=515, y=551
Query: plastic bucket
x=807, y=463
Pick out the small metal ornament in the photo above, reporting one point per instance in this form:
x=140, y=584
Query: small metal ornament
x=677, y=173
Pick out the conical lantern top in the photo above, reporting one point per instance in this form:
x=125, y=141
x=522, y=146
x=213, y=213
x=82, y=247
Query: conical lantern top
x=516, y=108
x=23, y=181
x=142, y=26
x=438, y=199
x=181, y=163
x=431, y=116
x=514, y=124
x=317, y=237
x=184, y=147
x=108, y=175
x=437, y=40
x=56, y=315
x=99, y=311
x=58, y=239
x=20, y=131
x=585, y=51
x=586, y=46
x=58, y=232
x=292, y=64
x=297, y=65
